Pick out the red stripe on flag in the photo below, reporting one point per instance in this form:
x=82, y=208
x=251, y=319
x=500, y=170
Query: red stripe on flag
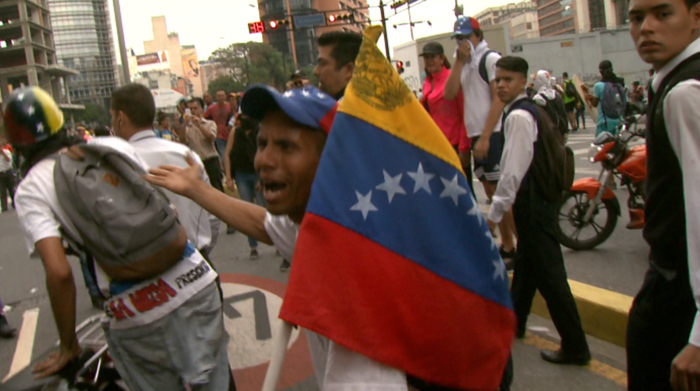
x=387, y=307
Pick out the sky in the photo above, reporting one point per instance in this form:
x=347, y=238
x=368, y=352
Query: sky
x=211, y=24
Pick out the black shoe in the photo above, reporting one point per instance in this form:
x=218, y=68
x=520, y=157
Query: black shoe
x=560, y=357
x=284, y=266
x=520, y=332
x=506, y=254
x=6, y=331
x=253, y=254
x=230, y=230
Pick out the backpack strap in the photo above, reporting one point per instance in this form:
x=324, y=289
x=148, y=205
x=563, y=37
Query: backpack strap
x=483, y=72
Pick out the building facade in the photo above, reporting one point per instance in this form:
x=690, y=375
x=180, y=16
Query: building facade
x=83, y=38
x=560, y=17
x=27, y=53
x=521, y=17
x=182, y=58
x=305, y=38
x=580, y=54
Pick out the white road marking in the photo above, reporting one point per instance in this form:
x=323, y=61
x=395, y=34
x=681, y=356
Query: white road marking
x=580, y=151
x=25, y=343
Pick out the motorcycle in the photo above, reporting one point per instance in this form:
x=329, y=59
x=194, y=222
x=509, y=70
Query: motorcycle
x=590, y=205
x=93, y=370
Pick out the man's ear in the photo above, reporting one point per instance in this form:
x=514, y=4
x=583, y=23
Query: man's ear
x=350, y=68
x=695, y=15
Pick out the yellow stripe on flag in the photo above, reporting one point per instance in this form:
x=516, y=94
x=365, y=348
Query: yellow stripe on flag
x=377, y=95
x=53, y=115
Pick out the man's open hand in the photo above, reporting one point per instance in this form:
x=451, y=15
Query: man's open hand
x=56, y=361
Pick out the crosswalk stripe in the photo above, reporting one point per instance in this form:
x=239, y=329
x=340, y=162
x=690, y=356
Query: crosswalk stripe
x=25, y=343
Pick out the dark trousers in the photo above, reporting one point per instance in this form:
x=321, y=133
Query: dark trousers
x=539, y=265
x=7, y=183
x=213, y=168
x=659, y=326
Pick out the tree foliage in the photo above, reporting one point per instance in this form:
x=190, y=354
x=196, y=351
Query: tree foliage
x=226, y=83
x=254, y=62
x=93, y=115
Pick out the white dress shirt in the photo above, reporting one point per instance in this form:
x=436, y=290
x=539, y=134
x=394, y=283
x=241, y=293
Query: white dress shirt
x=520, y=132
x=156, y=151
x=683, y=127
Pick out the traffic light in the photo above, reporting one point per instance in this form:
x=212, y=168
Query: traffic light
x=256, y=27
x=333, y=18
x=399, y=67
x=275, y=23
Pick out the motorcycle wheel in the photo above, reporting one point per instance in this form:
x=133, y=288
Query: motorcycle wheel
x=572, y=209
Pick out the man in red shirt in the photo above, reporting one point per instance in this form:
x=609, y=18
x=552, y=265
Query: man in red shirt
x=219, y=112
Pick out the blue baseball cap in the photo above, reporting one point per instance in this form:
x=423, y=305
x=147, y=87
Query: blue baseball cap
x=307, y=106
x=465, y=25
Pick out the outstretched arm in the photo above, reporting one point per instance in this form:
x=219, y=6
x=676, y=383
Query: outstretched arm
x=243, y=216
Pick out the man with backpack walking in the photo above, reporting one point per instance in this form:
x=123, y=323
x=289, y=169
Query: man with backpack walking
x=533, y=151
x=663, y=332
x=473, y=73
x=571, y=99
x=610, y=98
x=163, y=322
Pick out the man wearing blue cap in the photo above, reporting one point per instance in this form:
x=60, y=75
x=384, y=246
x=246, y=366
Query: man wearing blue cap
x=293, y=130
x=474, y=72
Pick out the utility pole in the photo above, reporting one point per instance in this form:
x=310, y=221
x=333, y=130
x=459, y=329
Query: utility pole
x=410, y=22
x=291, y=33
x=386, y=38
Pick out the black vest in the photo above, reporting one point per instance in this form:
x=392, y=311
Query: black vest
x=665, y=225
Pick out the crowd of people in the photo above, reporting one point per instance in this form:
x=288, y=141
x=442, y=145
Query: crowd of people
x=501, y=121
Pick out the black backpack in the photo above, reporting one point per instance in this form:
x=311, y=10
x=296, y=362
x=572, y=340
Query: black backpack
x=483, y=72
x=552, y=169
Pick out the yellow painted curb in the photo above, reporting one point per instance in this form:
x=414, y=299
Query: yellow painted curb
x=595, y=366
x=603, y=312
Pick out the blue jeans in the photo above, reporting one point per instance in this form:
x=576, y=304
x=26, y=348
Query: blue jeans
x=246, y=181
x=220, y=147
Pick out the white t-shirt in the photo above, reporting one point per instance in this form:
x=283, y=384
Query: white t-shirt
x=336, y=367
x=6, y=160
x=477, y=93
x=40, y=215
x=157, y=151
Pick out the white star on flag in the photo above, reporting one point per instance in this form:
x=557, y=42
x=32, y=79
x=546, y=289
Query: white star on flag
x=288, y=93
x=305, y=93
x=391, y=185
x=452, y=189
x=500, y=269
x=476, y=212
x=488, y=236
x=422, y=179
x=40, y=128
x=320, y=95
x=364, y=204
x=31, y=110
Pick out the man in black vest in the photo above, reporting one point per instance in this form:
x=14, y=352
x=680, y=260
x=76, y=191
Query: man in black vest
x=663, y=335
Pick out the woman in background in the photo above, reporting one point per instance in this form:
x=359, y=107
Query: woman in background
x=448, y=115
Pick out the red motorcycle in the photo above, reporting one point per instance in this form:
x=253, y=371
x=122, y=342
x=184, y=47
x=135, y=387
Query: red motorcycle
x=589, y=210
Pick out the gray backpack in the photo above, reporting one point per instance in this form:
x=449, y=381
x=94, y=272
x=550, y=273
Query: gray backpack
x=120, y=217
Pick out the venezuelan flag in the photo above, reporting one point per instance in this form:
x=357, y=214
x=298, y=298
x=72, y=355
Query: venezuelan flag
x=394, y=259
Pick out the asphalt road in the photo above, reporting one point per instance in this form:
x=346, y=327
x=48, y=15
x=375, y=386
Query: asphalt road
x=617, y=265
